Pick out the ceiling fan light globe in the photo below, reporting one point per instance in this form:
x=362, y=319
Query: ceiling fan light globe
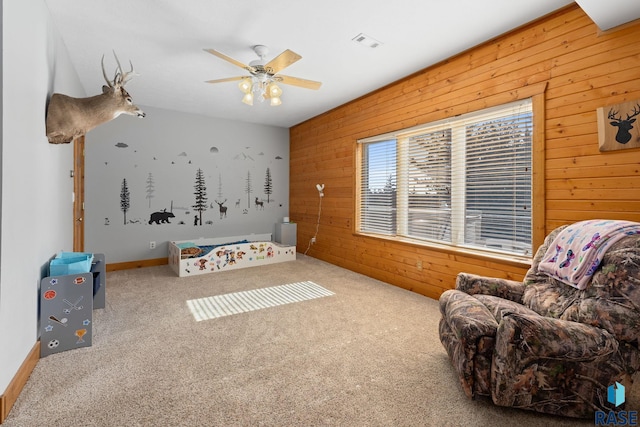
x=275, y=101
x=274, y=90
x=245, y=85
x=248, y=98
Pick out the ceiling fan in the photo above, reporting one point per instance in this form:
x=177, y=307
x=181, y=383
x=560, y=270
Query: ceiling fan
x=264, y=78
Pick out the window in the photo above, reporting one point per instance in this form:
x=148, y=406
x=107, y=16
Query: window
x=464, y=182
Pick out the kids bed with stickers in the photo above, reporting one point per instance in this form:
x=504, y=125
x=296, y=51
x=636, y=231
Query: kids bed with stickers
x=210, y=255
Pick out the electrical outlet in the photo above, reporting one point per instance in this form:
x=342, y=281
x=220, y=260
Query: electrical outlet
x=419, y=265
x=313, y=240
x=152, y=245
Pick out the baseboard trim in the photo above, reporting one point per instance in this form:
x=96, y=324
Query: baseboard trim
x=9, y=397
x=137, y=264
x=18, y=382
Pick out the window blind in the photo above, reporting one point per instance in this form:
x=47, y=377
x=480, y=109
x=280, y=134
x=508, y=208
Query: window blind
x=378, y=190
x=463, y=181
x=428, y=180
x=498, y=183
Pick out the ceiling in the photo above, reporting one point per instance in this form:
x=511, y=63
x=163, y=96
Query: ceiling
x=164, y=39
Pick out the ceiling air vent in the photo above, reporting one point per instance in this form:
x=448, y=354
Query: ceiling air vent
x=366, y=40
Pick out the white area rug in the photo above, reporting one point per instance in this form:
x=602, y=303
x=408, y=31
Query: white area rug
x=256, y=299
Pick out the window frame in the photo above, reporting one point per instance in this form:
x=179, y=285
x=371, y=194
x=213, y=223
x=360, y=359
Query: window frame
x=538, y=230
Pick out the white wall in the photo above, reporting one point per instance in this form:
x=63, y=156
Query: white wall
x=36, y=215
x=36, y=210
x=159, y=156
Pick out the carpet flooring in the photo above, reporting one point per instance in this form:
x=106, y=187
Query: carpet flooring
x=363, y=353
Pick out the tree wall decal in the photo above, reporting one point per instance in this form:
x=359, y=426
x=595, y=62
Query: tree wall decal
x=150, y=188
x=268, y=185
x=220, y=186
x=124, y=199
x=201, y=194
x=248, y=188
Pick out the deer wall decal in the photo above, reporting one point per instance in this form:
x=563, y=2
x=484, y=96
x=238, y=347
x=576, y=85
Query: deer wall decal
x=69, y=118
x=624, y=126
x=223, y=209
x=259, y=204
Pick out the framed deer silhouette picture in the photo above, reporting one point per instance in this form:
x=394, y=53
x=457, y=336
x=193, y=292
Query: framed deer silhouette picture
x=617, y=126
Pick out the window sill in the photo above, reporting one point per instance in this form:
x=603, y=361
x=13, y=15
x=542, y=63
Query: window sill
x=513, y=260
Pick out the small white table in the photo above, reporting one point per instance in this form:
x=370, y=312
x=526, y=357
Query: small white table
x=286, y=233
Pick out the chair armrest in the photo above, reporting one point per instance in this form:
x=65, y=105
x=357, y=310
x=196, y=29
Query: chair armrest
x=473, y=284
x=554, y=366
x=467, y=316
x=467, y=332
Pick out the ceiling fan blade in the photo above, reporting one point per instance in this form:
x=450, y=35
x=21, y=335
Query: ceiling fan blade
x=282, y=61
x=228, y=59
x=228, y=79
x=296, y=81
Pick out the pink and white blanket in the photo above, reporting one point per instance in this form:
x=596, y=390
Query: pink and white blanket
x=577, y=250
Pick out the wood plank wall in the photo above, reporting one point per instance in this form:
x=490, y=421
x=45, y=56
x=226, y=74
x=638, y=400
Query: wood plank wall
x=583, y=69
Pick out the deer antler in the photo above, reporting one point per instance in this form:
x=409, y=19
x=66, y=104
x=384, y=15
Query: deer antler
x=104, y=73
x=612, y=115
x=121, y=78
x=636, y=111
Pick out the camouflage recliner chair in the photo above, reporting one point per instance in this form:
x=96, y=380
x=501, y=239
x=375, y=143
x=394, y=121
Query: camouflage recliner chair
x=543, y=345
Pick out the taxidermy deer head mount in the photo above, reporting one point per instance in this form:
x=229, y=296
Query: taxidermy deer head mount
x=68, y=118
